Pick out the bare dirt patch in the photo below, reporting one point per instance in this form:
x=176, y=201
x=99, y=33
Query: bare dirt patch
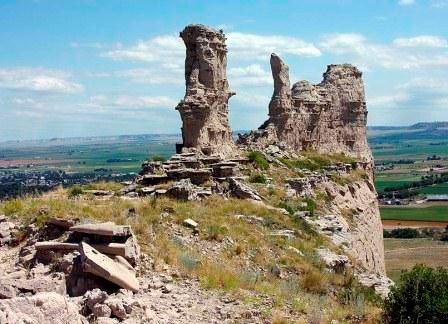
x=392, y=224
x=25, y=162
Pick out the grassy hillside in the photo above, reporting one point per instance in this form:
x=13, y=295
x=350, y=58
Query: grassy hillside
x=233, y=251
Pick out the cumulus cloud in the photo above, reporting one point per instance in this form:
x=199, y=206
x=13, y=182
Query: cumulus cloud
x=417, y=93
x=406, y=2
x=251, y=75
x=253, y=46
x=163, y=48
x=38, y=80
x=362, y=52
x=130, y=102
x=170, y=48
x=427, y=41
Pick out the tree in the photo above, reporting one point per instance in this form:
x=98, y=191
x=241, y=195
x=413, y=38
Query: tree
x=420, y=297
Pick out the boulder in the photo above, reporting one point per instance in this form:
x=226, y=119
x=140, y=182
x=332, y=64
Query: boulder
x=183, y=190
x=243, y=191
x=42, y=308
x=117, y=271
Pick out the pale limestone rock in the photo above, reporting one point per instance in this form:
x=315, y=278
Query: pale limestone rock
x=115, y=270
x=42, y=308
x=204, y=109
x=329, y=117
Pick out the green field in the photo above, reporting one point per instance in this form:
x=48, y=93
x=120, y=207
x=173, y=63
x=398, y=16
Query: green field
x=432, y=213
x=438, y=189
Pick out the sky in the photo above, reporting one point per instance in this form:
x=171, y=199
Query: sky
x=73, y=68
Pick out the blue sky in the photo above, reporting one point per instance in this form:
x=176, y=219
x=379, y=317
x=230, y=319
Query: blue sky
x=97, y=67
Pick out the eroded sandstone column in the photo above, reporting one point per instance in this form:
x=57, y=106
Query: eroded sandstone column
x=204, y=109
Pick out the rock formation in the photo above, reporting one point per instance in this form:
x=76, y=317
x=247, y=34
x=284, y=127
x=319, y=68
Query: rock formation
x=204, y=109
x=329, y=117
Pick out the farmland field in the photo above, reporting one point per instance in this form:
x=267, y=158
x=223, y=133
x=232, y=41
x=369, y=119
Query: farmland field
x=431, y=213
x=403, y=254
x=437, y=189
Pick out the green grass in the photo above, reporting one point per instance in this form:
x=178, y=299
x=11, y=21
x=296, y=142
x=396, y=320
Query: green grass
x=432, y=213
x=438, y=189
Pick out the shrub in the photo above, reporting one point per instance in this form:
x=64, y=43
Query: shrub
x=421, y=296
x=75, y=191
x=402, y=233
x=314, y=282
x=258, y=159
x=257, y=178
x=158, y=158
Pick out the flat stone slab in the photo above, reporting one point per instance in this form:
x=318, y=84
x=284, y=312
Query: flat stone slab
x=117, y=271
x=62, y=222
x=106, y=229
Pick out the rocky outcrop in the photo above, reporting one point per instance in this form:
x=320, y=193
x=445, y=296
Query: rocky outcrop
x=42, y=308
x=329, y=117
x=204, y=109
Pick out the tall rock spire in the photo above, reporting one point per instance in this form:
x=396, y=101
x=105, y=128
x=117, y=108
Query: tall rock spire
x=204, y=109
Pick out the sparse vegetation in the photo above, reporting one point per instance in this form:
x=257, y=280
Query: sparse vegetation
x=158, y=158
x=257, y=178
x=247, y=266
x=258, y=159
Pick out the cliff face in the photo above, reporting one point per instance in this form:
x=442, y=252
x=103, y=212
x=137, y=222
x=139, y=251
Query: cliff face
x=329, y=117
x=204, y=109
x=356, y=207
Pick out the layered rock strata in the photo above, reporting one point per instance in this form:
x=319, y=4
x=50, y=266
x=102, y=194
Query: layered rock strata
x=204, y=109
x=329, y=117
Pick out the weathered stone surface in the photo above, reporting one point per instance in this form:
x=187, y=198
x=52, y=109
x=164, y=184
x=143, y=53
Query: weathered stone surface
x=380, y=283
x=43, y=308
x=335, y=262
x=6, y=231
x=62, y=222
x=106, y=229
x=204, y=109
x=329, y=117
x=241, y=190
x=183, y=190
x=115, y=270
x=190, y=223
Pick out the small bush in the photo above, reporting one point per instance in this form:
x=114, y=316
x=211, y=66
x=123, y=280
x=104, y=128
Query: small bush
x=216, y=232
x=314, y=281
x=257, y=178
x=420, y=296
x=402, y=233
x=258, y=159
x=158, y=158
x=75, y=191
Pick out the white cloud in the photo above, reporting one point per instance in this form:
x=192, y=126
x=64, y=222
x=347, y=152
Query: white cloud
x=166, y=74
x=251, y=75
x=38, y=80
x=416, y=94
x=421, y=41
x=358, y=50
x=388, y=101
x=406, y=2
x=254, y=100
x=252, y=46
x=163, y=48
x=171, y=50
x=130, y=102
